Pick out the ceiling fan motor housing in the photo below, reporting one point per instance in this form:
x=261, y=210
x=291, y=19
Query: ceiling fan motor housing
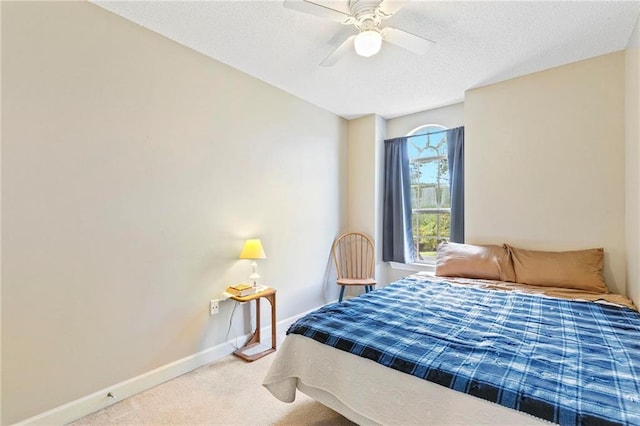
x=366, y=14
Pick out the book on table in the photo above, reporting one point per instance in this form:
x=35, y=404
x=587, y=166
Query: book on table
x=241, y=290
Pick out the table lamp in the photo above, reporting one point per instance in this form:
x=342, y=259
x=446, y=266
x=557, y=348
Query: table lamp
x=253, y=250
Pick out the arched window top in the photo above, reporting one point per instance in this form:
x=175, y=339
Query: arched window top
x=425, y=129
x=427, y=142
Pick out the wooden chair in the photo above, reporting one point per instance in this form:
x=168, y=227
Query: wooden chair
x=353, y=254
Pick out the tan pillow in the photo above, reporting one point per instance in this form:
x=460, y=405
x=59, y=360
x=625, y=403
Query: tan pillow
x=581, y=269
x=489, y=262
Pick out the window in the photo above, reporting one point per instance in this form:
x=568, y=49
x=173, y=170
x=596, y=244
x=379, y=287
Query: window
x=430, y=199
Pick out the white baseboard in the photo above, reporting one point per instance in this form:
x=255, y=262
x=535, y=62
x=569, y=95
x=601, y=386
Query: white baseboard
x=98, y=400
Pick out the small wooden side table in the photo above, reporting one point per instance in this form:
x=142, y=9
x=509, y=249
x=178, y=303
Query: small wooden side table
x=269, y=294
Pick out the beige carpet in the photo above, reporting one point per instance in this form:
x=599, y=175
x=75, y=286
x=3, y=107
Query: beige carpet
x=228, y=392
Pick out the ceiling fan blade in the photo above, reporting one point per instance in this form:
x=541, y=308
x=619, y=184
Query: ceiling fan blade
x=317, y=10
x=389, y=7
x=407, y=40
x=340, y=51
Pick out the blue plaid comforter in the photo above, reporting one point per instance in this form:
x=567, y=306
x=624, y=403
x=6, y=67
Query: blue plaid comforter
x=572, y=363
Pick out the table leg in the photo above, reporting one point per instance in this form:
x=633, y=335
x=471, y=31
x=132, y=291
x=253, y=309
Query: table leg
x=255, y=338
x=272, y=299
x=256, y=335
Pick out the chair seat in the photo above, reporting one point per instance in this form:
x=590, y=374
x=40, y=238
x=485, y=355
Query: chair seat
x=356, y=281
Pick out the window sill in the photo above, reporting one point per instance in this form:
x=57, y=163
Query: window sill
x=413, y=267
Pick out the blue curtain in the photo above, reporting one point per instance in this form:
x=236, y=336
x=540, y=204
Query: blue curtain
x=455, y=157
x=397, y=236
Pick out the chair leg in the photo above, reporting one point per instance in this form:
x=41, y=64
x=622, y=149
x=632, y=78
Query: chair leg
x=366, y=289
x=341, y=293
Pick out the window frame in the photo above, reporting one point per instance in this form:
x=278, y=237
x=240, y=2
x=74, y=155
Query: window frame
x=428, y=260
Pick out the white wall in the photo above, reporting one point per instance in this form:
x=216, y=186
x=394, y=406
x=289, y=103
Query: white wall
x=632, y=164
x=544, y=157
x=132, y=170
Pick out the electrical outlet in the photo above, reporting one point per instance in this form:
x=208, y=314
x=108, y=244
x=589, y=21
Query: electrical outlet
x=214, y=307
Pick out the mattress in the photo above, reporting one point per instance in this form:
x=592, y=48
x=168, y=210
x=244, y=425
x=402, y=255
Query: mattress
x=545, y=356
x=368, y=393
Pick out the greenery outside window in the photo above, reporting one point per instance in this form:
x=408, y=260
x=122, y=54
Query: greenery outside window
x=430, y=196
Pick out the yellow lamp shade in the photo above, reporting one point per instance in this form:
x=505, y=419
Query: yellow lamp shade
x=252, y=250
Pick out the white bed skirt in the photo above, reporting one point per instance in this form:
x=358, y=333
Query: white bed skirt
x=368, y=393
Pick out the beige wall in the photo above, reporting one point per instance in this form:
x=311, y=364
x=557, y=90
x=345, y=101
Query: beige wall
x=632, y=158
x=449, y=116
x=364, y=205
x=132, y=170
x=545, y=161
x=361, y=182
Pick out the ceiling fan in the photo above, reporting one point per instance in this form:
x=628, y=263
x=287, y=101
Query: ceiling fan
x=366, y=16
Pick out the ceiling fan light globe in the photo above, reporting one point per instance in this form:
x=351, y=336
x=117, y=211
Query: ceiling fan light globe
x=368, y=43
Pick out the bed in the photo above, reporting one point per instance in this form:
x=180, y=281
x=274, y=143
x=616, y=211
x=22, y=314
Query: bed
x=435, y=350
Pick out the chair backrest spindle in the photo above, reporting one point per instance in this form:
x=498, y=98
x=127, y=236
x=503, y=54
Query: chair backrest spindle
x=354, y=256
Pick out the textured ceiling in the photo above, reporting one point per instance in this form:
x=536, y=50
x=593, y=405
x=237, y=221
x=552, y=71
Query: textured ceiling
x=477, y=43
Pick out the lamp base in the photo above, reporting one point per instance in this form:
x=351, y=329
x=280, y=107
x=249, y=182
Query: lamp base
x=254, y=278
